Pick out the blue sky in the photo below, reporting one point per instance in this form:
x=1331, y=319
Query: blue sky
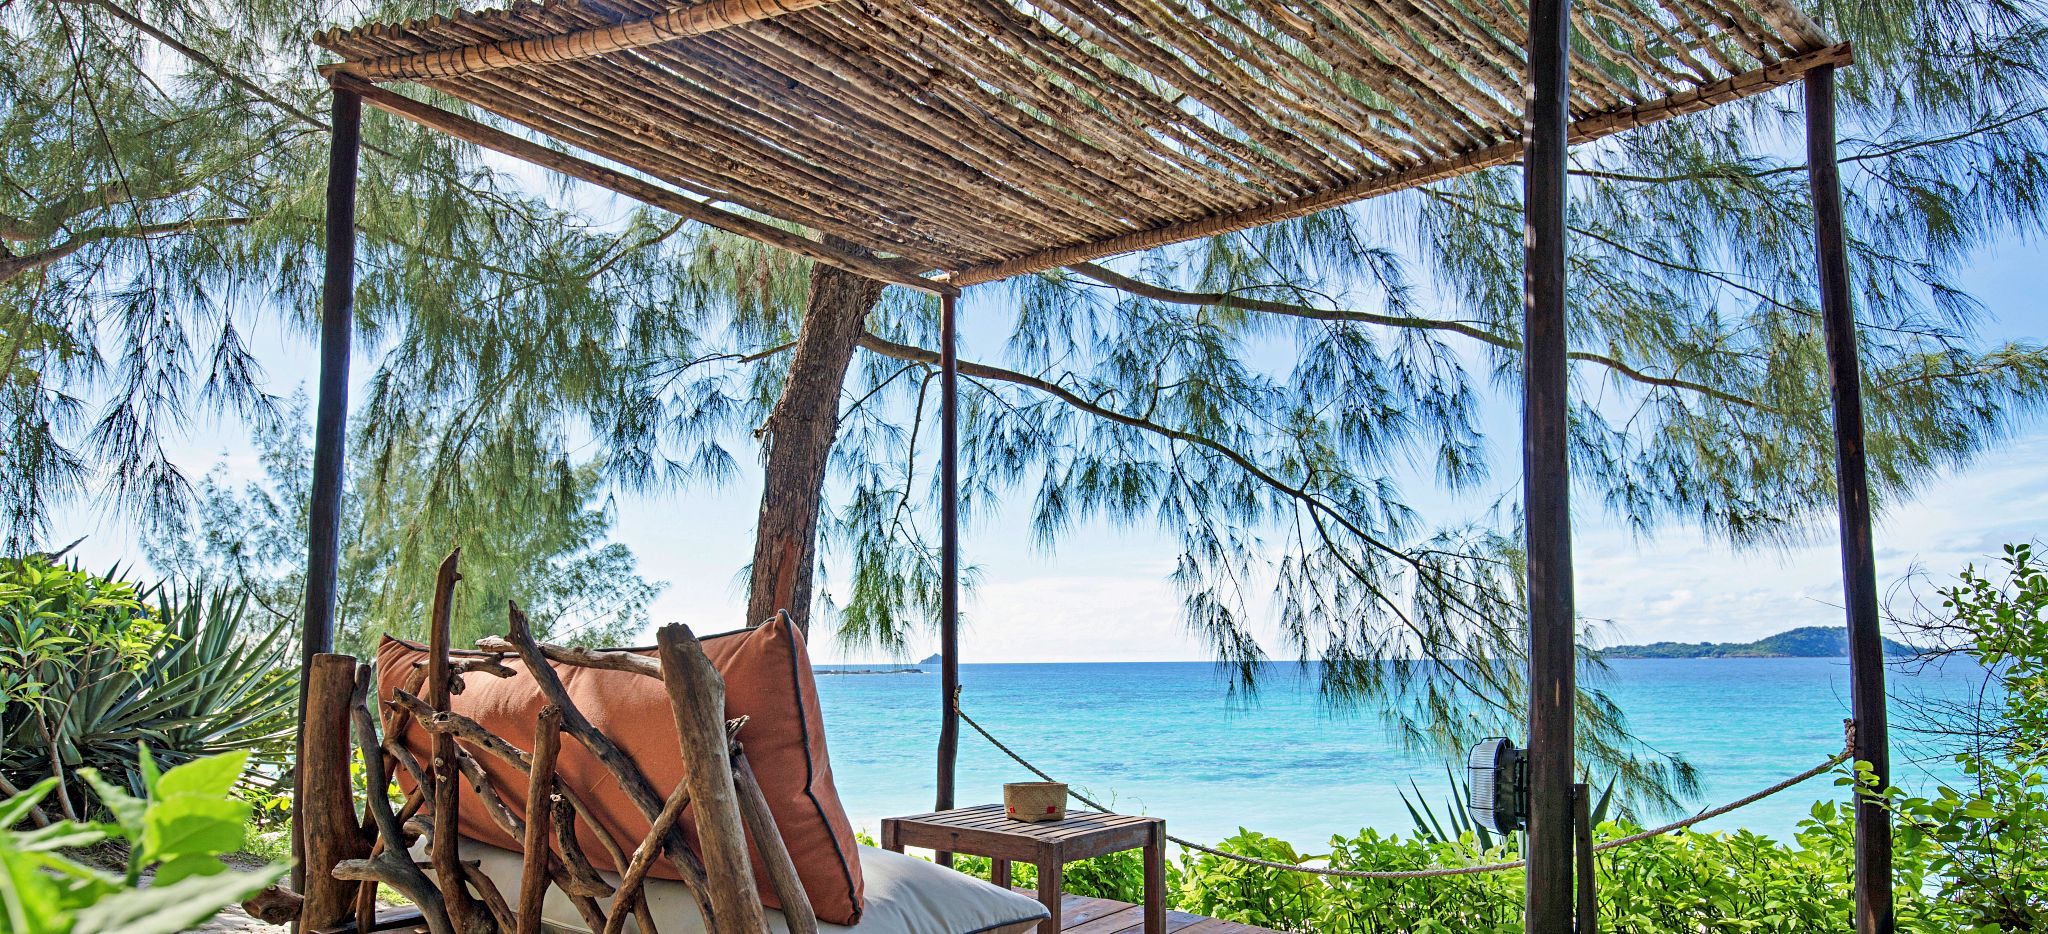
x=1104, y=595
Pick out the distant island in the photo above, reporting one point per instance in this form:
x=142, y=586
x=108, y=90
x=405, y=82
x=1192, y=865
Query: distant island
x=849, y=670
x=1805, y=642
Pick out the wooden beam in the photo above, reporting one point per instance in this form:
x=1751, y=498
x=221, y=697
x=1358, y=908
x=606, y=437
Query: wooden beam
x=337, y=324
x=949, y=552
x=330, y=427
x=678, y=23
x=1747, y=84
x=1546, y=472
x=681, y=205
x=1872, y=739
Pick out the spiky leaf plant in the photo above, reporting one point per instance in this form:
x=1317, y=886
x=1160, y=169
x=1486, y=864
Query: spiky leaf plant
x=215, y=679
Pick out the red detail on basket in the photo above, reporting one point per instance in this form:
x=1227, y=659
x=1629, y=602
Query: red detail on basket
x=1048, y=809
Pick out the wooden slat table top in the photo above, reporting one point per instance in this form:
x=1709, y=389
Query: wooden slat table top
x=986, y=830
x=991, y=817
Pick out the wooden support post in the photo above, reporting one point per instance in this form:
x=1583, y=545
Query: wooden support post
x=1874, y=913
x=696, y=694
x=1546, y=479
x=1582, y=848
x=949, y=552
x=330, y=430
x=540, y=792
x=326, y=809
x=1155, y=879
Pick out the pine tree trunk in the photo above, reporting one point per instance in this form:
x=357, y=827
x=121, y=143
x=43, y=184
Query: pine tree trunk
x=797, y=443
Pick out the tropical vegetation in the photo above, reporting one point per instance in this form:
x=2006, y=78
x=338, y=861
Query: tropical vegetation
x=1985, y=831
x=1804, y=642
x=172, y=837
x=1685, y=881
x=91, y=665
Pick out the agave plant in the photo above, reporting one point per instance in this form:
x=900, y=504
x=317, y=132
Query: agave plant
x=1458, y=821
x=206, y=683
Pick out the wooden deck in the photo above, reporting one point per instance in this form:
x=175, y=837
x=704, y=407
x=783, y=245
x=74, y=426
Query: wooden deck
x=1083, y=915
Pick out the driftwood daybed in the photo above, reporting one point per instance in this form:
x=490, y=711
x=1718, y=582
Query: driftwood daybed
x=563, y=862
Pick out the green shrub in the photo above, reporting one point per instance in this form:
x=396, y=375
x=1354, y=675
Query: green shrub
x=177, y=833
x=90, y=670
x=1119, y=875
x=61, y=629
x=1686, y=881
x=1479, y=902
x=1987, y=831
x=1222, y=888
x=1745, y=881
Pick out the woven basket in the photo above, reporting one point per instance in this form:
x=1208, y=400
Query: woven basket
x=1032, y=802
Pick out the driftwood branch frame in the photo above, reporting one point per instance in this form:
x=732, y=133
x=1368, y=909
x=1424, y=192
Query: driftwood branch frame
x=456, y=896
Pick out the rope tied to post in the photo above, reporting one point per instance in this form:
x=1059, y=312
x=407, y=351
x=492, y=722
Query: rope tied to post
x=1848, y=752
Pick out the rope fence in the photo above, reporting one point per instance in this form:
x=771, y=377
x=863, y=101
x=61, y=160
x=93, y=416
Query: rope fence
x=1848, y=750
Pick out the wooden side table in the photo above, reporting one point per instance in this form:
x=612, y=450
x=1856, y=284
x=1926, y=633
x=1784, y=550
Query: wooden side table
x=987, y=831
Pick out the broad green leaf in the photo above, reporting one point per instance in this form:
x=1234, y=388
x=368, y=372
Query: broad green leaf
x=185, y=867
x=188, y=825
x=169, y=909
x=41, y=891
x=211, y=777
x=30, y=899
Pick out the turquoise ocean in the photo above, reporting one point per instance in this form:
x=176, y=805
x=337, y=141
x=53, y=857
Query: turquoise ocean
x=1167, y=739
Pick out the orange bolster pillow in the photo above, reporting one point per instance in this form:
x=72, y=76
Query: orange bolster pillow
x=767, y=678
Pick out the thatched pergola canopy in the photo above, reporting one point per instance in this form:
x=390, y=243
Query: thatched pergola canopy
x=990, y=138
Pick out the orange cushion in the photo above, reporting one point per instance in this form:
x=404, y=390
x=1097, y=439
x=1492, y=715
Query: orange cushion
x=767, y=678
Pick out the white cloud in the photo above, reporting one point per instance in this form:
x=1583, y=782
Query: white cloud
x=1682, y=589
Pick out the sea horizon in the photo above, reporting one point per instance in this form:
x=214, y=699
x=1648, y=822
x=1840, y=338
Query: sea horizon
x=1290, y=662
x=1169, y=739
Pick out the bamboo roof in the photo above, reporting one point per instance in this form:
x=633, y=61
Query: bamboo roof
x=990, y=138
